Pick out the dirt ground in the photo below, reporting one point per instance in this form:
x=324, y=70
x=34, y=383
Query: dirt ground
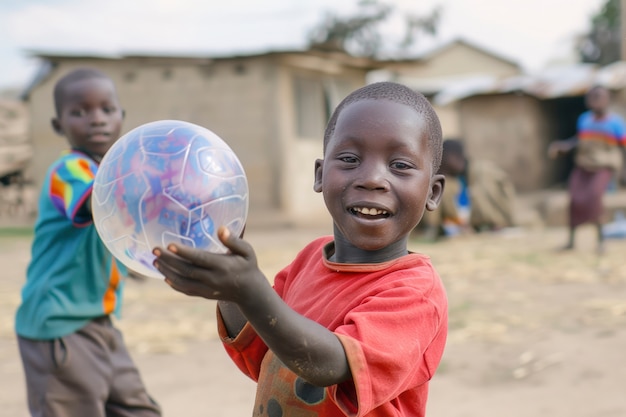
x=532, y=332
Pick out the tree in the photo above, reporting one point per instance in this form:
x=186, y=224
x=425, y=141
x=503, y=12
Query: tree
x=361, y=34
x=602, y=45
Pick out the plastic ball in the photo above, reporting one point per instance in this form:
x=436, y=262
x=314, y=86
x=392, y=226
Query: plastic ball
x=167, y=182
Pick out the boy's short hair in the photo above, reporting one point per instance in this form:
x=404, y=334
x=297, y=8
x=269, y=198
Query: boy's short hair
x=401, y=94
x=597, y=87
x=73, y=76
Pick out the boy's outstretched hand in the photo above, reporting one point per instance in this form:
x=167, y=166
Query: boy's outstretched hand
x=560, y=147
x=306, y=347
x=229, y=277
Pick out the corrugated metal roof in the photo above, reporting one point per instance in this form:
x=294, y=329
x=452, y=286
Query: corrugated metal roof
x=562, y=81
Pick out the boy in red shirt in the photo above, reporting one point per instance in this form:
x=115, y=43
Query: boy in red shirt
x=356, y=324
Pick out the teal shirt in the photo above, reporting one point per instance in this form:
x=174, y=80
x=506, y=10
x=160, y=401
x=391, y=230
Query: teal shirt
x=72, y=277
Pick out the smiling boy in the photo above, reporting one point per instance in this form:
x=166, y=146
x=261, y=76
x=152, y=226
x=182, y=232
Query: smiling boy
x=356, y=324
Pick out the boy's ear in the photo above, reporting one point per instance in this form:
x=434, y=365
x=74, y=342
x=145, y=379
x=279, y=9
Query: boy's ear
x=317, y=185
x=123, y=114
x=56, y=126
x=437, y=184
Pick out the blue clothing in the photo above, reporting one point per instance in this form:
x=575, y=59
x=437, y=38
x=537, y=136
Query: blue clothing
x=72, y=277
x=463, y=199
x=609, y=128
x=599, y=139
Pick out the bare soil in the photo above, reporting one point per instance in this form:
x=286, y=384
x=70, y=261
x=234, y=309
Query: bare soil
x=532, y=332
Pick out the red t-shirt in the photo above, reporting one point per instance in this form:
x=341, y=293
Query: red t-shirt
x=390, y=317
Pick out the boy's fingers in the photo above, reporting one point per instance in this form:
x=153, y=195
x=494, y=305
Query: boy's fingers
x=171, y=265
x=185, y=286
x=199, y=257
x=203, y=258
x=223, y=233
x=236, y=245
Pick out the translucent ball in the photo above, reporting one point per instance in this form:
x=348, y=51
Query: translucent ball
x=163, y=182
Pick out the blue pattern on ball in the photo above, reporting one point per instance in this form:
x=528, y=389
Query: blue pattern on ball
x=163, y=182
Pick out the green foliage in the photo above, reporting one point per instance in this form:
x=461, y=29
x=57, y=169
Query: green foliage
x=360, y=34
x=609, y=16
x=602, y=45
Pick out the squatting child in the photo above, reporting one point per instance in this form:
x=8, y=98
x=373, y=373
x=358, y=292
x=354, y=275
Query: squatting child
x=356, y=324
x=479, y=195
x=75, y=361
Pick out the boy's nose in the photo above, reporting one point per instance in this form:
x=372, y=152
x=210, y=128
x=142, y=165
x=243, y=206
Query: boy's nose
x=373, y=177
x=98, y=117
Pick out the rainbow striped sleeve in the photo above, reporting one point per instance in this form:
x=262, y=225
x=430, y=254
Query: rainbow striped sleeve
x=620, y=130
x=70, y=186
x=610, y=130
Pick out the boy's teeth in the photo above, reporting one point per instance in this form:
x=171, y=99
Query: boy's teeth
x=370, y=211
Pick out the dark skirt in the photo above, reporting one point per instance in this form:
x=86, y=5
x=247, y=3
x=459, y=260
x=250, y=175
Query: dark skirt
x=586, y=189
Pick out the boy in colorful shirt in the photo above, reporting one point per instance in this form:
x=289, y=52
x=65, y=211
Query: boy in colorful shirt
x=599, y=144
x=74, y=359
x=356, y=324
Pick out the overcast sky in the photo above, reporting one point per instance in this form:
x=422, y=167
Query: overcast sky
x=531, y=32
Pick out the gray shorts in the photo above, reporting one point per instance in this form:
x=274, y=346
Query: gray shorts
x=86, y=373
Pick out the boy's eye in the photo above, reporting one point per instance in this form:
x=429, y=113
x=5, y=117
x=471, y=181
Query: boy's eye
x=108, y=110
x=77, y=112
x=400, y=165
x=348, y=159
